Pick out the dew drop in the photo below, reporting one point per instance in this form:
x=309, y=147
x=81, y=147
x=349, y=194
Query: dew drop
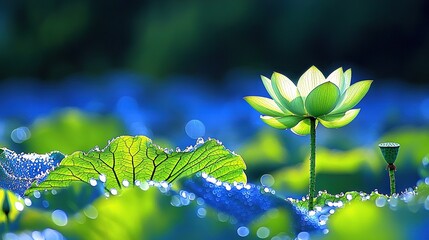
x=200, y=201
x=144, y=186
x=349, y=197
x=175, y=201
x=50, y=234
x=27, y=202
x=242, y=231
x=102, y=178
x=195, y=129
x=184, y=201
x=263, y=232
x=325, y=231
x=113, y=191
x=222, y=217
x=93, y=182
x=36, y=194
x=191, y=196
x=201, y=212
x=59, y=217
x=393, y=202
x=36, y=235
x=380, y=202
x=267, y=180
x=20, y=134
x=90, y=212
x=427, y=203
x=137, y=183
x=19, y=206
x=303, y=236
x=11, y=236
x=125, y=183
x=200, y=141
x=164, y=184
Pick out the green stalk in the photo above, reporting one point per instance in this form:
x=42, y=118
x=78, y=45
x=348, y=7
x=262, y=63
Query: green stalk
x=392, y=181
x=312, y=188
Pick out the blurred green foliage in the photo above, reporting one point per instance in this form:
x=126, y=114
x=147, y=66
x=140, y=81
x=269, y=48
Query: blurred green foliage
x=353, y=168
x=164, y=38
x=70, y=130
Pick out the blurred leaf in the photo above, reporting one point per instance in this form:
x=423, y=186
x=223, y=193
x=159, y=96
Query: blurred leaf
x=18, y=171
x=265, y=148
x=330, y=162
x=365, y=220
x=136, y=214
x=128, y=159
x=70, y=130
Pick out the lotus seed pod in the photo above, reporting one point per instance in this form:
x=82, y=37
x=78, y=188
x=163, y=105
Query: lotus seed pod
x=389, y=151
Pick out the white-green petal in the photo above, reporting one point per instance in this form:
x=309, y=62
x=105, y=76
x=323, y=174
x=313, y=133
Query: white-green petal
x=337, y=77
x=352, y=96
x=303, y=127
x=339, y=120
x=265, y=106
x=309, y=80
x=322, y=99
x=287, y=93
x=267, y=84
x=282, y=122
x=347, y=79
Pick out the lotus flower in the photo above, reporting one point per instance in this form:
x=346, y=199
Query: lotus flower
x=314, y=99
x=328, y=100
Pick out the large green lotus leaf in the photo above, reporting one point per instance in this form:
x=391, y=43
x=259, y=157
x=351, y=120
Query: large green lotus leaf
x=352, y=96
x=282, y=122
x=309, y=80
x=265, y=106
x=287, y=93
x=339, y=120
x=322, y=99
x=127, y=160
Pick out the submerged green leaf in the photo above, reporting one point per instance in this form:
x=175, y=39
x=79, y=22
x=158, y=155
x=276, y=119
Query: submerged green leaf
x=127, y=160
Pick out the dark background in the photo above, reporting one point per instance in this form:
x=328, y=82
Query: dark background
x=50, y=40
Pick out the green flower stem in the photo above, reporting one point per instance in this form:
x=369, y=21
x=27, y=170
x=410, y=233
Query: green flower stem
x=312, y=190
x=392, y=181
